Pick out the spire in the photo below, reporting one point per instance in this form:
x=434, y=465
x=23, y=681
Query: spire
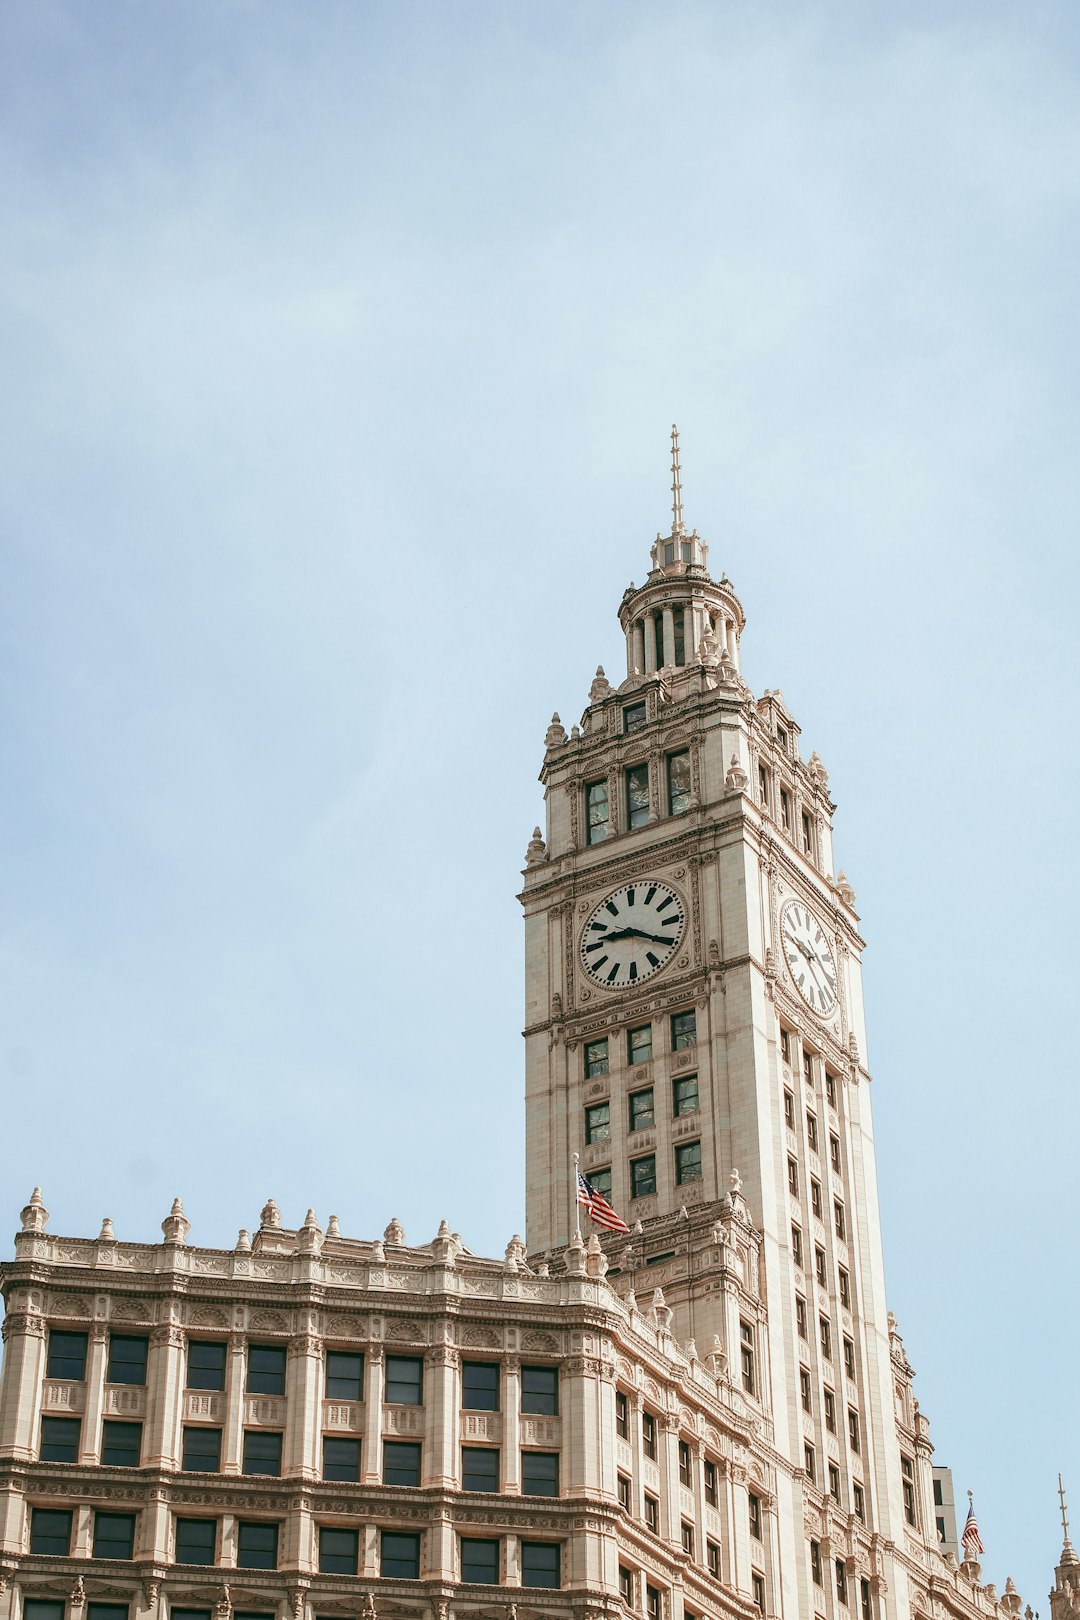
x=677, y=525
x=1068, y=1552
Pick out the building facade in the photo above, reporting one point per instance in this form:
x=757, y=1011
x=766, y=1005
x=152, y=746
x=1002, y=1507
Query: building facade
x=708, y=1415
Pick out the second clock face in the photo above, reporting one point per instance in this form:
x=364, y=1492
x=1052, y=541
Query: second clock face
x=809, y=957
x=632, y=934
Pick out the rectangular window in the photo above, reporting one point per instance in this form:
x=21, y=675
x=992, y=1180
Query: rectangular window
x=652, y=1602
x=652, y=1513
x=47, y=1609
x=479, y=1562
x=401, y=1463
x=107, y=1611
x=256, y=1545
x=683, y=1030
x=849, y=1357
x=642, y=1115
x=195, y=1614
x=804, y=1389
x=480, y=1386
x=867, y=1605
x=340, y=1459
x=845, y=1289
x=540, y=1391
x=50, y=1532
x=643, y=1176
x=678, y=783
x=712, y=1558
x=821, y=1265
x=807, y=835
x=754, y=1503
x=793, y=1178
x=597, y=812
x=114, y=1535
x=811, y=1131
x=789, y=1110
x=829, y=1403
x=746, y=1352
x=598, y=1123
x=809, y=1462
x=266, y=1369
x=825, y=1329
x=815, y=1562
x=596, y=1058
x=785, y=1046
x=757, y=1587
x=785, y=809
x=639, y=1044
x=648, y=1434
x=800, y=1316
x=711, y=1489
x=196, y=1541
x=634, y=717
x=853, y=1428
x=339, y=1551
x=202, y=1451
x=262, y=1452
x=626, y=1587
x=859, y=1501
x=815, y=1197
x=685, y=1094
x=637, y=796
x=59, y=1439
x=834, y=1482
x=479, y=1468
x=687, y=1162
x=206, y=1364
x=687, y=1530
x=808, y=1066
x=685, y=1477
x=796, y=1246
x=622, y=1415
x=830, y=1089
x=938, y=1497
x=344, y=1375
x=541, y=1563
x=404, y=1381
x=839, y=1219
x=127, y=1359
x=678, y=619
x=399, y=1556
x=834, y=1152
x=623, y=1489
x=763, y=785
x=121, y=1444
x=601, y=1182
x=841, y=1581
x=907, y=1482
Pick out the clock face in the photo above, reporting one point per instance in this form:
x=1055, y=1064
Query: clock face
x=632, y=934
x=809, y=957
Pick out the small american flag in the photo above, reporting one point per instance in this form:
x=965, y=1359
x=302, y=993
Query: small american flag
x=972, y=1541
x=600, y=1211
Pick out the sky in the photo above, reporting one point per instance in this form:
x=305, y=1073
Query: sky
x=340, y=347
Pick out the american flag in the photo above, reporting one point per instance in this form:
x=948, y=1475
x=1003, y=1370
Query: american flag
x=600, y=1211
x=972, y=1541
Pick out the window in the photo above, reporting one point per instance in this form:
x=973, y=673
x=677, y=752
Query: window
x=623, y=1489
x=626, y=1586
x=344, y=1375
x=262, y=1452
x=540, y=1391
x=839, y=1221
x=937, y=1492
x=834, y=1152
x=479, y=1468
x=785, y=809
x=206, y=1364
x=404, y=1381
x=541, y=1563
x=789, y=1110
x=711, y=1495
x=793, y=1178
x=121, y=1445
x=687, y=1162
x=785, y=1049
x=637, y=796
x=399, y=1556
x=683, y=1030
x=853, y=1428
x=825, y=1329
x=540, y=1473
x=480, y=1386
x=643, y=1176
x=266, y=1369
x=867, y=1605
x=196, y=1540
x=639, y=1044
x=597, y=812
x=845, y=1289
x=256, y=1545
x=193, y=1614
x=804, y=1389
x=400, y=1462
x=106, y=1611
x=815, y=1197
x=849, y=1357
x=339, y=1551
x=642, y=1116
x=685, y=1477
x=834, y=1482
x=601, y=1182
x=648, y=1434
x=829, y=1406
x=50, y=1532
x=809, y=1462
x=622, y=1415
x=907, y=1483
x=820, y=1265
x=815, y=1562
x=202, y=1451
x=796, y=1246
x=114, y=1535
x=596, y=1058
x=830, y=1089
x=757, y=1586
x=598, y=1123
x=678, y=783
x=634, y=717
x=652, y=1602
x=679, y=616
x=67, y=1356
x=340, y=1458
x=800, y=1316
x=712, y=1558
x=685, y=1093
x=808, y=1066
x=652, y=1513
x=859, y=1501
x=746, y=1353
x=763, y=785
x=811, y=1131
x=754, y=1503
x=687, y=1531
x=44, y=1609
x=59, y=1439
x=127, y=1359
x=841, y=1581
x=807, y=835
x=479, y=1562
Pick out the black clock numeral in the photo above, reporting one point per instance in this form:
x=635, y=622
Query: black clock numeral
x=600, y=960
x=653, y=960
x=612, y=907
x=600, y=927
x=614, y=970
x=633, y=972
x=630, y=896
x=650, y=891
x=666, y=942
x=670, y=901
x=597, y=945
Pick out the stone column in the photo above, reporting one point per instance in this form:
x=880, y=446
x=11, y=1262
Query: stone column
x=21, y=1386
x=164, y=1397
x=90, y=1438
x=648, y=624
x=437, y=1561
x=233, y=1437
x=511, y=1428
x=639, y=646
x=669, y=637
x=298, y=1550
x=303, y=1391
x=637, y=1455
x=153, y=1527
x=442, y=1418
x=371, y=1460
x=629, y=650
x=667, y=1433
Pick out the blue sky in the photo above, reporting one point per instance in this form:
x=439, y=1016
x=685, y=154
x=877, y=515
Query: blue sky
x=341, y=346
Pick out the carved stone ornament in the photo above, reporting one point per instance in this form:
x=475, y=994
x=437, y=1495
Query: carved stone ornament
x=555, y=735
x=736, y=778
x=34, y=1216
x=536, y=853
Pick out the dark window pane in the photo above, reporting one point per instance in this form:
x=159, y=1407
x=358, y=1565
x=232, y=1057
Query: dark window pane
x=479, y=1468
x=540, y=1473
x=106, y=1611
x=643, y=1176
x=400, y=1556
x=114, y=1535
x=205, y=1365
x=540, y=1391
x=601, y=1182
x=637, y=795
x=679, y=625
x=127, y=1359
x=202, y=1450
x=341, y=1459
x=266, y=1369
x=67, y=1355
x=540, y=1563
x=597, y=810
x=642, y=1116
x=44, y=1609
x=639, y=1044
x=480, y=1386
x=191, y=1614
x=262, y=1452
x=401, y=1463
x=634, y=717
x=688, y=1162
x=686, y=1095
x=678, y=783
x=121, y=1445
x=344, y=1376
x=479, y=1562
x=196, y=1540
x=50, y=1532
x=404, y=1381
x=59, y=1439
x=596, y=1058
x=256, y=1546
x=683, y=1030
x=598, y=1123
x=339, y=1551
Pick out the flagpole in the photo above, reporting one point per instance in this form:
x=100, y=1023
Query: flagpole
x=575, y=1203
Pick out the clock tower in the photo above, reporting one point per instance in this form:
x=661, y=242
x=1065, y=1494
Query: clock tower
x=694, y=1034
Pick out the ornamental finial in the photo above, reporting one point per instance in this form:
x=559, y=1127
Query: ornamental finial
x=677, y=525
